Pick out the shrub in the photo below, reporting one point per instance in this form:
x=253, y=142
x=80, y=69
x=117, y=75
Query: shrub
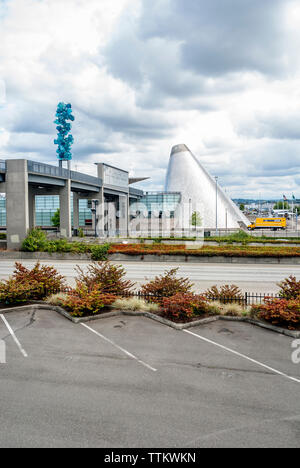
x=42, y=278
x=289, y=288
x=183, y=307
x=225, y=293
x=35, y=241
x=83, y=301
x=107, y=277
x=99, y=252
x=135, y=303
x=279, y=312
x=25, y=285
x=55, y=220
x=167, y=285
x=13, y=292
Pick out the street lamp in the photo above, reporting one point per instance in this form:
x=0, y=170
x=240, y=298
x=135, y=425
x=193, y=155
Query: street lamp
x=216, y=178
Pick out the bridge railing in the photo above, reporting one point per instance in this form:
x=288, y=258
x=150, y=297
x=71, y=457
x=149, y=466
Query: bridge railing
x=55, y=171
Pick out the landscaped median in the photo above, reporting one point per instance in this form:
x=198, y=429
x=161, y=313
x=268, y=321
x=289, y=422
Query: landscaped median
x=205, y=251
x=37, y=246
x=102, y=290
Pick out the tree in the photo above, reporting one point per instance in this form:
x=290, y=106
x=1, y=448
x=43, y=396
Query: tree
x=242, y=207
x=64, y=141
x=56, y=218
x=282, y=205
x=196, y=219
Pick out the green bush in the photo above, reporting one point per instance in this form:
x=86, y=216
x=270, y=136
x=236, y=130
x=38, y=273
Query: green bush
x=55, y=220
x=36, y=241
x=99, y=252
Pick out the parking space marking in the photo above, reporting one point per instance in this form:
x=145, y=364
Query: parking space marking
x=14, y=336
x=242, y=355
x=132, y=356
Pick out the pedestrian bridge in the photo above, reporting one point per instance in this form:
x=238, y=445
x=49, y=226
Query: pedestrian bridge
x=22, y=180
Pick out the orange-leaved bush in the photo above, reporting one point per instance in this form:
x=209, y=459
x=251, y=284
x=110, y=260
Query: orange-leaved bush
x=225, y=292
x=83, y=301
x=107, y=277
x=183, y=307
x=289, y=288
x=30, y=284
x=279, y=312
x=167, y=285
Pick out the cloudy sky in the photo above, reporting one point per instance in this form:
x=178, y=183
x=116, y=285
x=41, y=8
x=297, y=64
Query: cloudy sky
x=222, y=76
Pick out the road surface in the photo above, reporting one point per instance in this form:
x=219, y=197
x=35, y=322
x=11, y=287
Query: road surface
x=250, y=278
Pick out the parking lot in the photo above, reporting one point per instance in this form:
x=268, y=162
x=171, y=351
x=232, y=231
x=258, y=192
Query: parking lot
x=132, y=382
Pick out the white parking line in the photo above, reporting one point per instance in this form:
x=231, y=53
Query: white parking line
x=243, y=356
x=14, y=336
x=120, y=348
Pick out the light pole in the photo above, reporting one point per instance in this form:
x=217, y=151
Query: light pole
x=94, y=211
x=190, y=216
x=217, y=178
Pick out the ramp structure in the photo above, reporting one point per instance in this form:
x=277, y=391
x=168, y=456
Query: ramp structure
x=201, y=192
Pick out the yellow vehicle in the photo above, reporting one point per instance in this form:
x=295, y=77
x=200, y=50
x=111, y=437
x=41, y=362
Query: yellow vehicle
x=268, y=223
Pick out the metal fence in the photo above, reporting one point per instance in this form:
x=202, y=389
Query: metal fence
x=246, y=299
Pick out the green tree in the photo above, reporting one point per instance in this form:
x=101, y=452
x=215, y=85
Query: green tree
x=196, y=219
x=282, y=205
x=56, y=218
x=242, y=207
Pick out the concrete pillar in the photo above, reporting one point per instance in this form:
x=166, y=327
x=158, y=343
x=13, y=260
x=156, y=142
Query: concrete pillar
x=75, y=210
x=17, y=210
x=100, y=212
x=112, y=218
x=31, y=202
x=123, y=215
x=65, y=210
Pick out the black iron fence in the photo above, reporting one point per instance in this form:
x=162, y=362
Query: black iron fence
x=246, y=299
x=243, y=299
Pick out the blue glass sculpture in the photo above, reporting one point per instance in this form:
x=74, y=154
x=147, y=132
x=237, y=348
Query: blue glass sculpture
x=64, y=141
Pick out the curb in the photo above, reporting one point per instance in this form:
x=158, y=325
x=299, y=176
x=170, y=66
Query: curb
x=165, y=258
x=156, y=318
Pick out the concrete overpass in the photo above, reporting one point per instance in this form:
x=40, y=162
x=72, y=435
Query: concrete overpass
x=21, y=180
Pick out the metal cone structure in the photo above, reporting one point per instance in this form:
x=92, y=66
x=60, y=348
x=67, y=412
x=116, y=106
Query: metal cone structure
x=200, y=192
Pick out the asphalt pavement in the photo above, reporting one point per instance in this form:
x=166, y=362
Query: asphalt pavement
x=132, y=382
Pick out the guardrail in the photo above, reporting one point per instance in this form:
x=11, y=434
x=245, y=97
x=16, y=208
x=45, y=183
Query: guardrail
x=55, y=171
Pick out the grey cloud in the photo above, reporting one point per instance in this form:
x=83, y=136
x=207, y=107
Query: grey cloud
x=284, y=126
x=221, y=36
x=174, y=46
